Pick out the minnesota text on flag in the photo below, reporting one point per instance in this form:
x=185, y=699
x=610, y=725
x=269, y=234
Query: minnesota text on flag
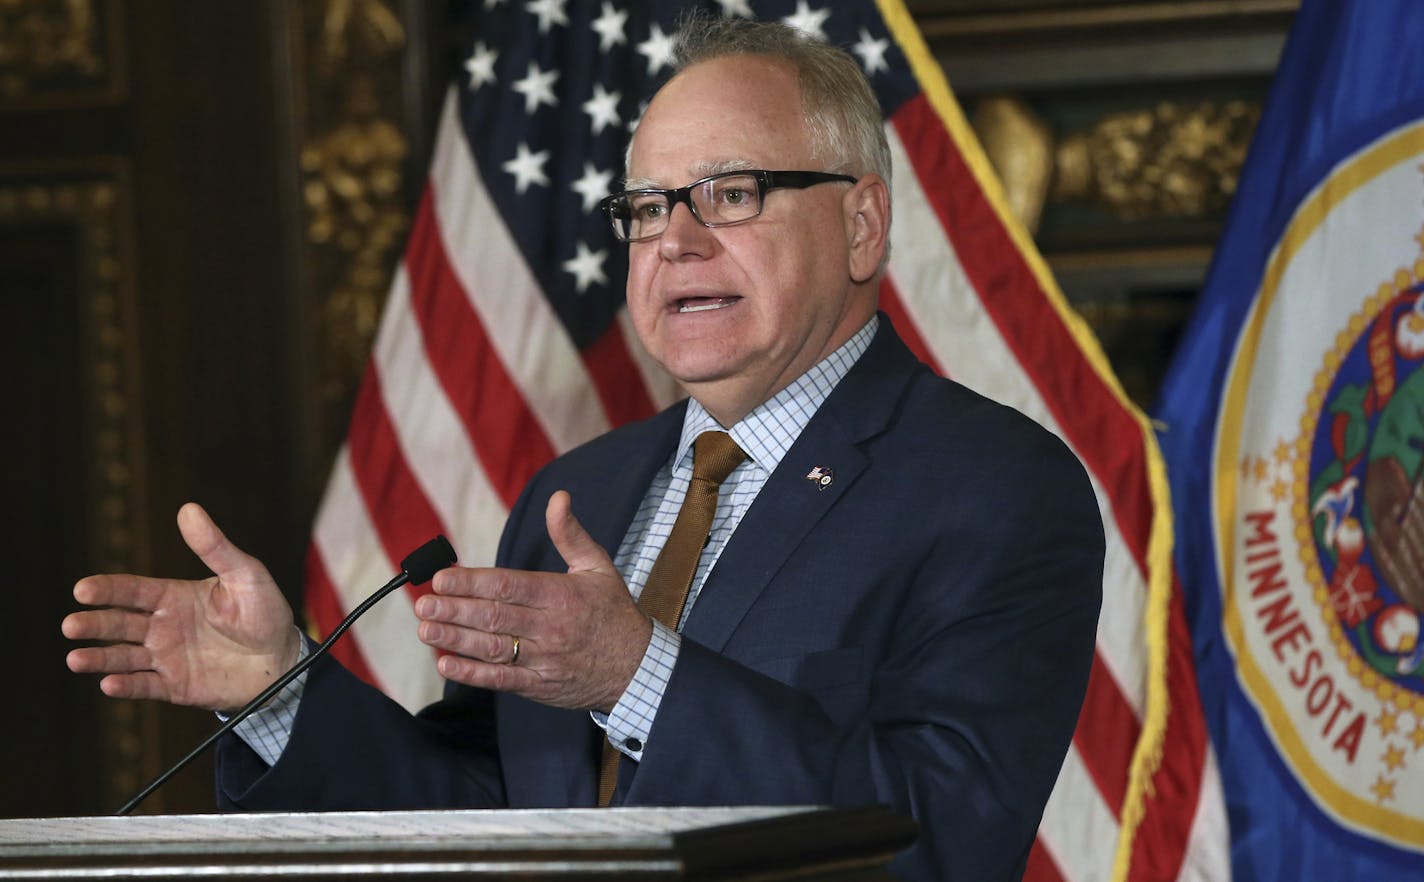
x=504, y=343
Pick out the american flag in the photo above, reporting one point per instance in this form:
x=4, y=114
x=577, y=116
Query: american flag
x=505, y=342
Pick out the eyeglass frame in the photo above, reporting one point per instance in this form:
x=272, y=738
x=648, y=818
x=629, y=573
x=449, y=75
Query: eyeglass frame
x=765, y=180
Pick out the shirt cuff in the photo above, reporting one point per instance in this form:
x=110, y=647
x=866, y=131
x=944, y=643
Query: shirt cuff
x=631, y=720
x=269, y=728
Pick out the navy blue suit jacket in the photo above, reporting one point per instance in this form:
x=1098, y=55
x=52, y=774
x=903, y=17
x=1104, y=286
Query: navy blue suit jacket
x=917, y=633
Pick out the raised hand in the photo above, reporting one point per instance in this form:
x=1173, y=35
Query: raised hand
x=581, y=637
x=214, y=643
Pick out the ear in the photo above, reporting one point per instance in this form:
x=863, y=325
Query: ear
x=867, y=221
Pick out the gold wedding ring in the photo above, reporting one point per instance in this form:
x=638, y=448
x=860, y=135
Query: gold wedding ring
x=514, y=659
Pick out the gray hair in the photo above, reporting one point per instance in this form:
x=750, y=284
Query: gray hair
x=842, y=115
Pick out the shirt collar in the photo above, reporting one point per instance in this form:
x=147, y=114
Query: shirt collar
x=769, y=430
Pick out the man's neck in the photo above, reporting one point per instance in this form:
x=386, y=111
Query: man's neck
x=729, y=400
x=730, y=406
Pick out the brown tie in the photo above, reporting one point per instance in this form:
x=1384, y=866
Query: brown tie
x=714, y=455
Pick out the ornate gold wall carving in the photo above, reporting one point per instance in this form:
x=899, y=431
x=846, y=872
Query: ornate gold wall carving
x=352, y=164
x=51, y=46
x=93, y=206
x=1170, y=160
x=1167, y=161
x=1020, y=147
x=352, y=194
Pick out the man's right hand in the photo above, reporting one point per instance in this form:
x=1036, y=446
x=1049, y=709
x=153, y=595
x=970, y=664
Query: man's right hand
x=213, y=644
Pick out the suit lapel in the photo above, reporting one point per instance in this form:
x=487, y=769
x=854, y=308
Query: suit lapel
x=785, y=510
x=790, y=505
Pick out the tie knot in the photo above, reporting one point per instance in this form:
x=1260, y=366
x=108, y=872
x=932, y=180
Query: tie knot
x=714, y=455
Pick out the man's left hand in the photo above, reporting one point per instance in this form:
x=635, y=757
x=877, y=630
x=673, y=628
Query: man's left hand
x=581, y=637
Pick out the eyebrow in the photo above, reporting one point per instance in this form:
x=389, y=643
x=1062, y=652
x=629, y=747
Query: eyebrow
x=700, y=170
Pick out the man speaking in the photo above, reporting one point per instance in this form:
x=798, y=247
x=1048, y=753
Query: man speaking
x=829, y=577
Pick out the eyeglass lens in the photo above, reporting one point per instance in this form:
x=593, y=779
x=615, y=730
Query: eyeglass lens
x=726, y=199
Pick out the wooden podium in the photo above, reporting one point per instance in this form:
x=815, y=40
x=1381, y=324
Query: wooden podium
x=761, y=843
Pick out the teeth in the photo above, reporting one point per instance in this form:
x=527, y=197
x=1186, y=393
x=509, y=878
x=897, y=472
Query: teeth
x=704, y=307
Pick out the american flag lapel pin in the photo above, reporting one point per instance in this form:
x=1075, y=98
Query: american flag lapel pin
x=821, y=476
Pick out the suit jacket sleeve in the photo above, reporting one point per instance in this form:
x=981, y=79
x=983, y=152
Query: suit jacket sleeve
x=352, y=748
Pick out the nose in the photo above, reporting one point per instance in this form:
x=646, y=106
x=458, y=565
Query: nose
x=685, y=235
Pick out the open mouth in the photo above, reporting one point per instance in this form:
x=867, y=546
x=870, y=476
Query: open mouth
x=703, y=304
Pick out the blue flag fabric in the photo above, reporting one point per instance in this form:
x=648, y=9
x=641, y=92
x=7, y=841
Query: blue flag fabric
x=1293, y=431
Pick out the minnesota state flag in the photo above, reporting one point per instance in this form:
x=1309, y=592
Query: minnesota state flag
x=1293, y=429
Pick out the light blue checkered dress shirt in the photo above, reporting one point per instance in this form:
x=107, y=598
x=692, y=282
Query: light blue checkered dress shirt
x=765, y=434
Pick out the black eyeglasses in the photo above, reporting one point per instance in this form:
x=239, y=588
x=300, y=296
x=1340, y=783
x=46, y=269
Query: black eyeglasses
x=716, y=201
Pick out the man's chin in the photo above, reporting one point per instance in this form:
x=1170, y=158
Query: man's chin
x=694, y=376
x=700, y=370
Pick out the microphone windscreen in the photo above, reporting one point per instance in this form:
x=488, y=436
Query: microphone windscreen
x=422, y=564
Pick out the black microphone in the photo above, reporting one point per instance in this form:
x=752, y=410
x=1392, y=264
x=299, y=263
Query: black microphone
x=417, y=568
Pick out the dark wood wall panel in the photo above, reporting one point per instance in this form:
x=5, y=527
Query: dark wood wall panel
x=178, y=326
x=41, y=485
x=209, y=247
x=145, y=267
x=74, y=468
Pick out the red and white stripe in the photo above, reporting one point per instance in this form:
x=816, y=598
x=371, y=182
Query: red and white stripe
x=474, y=385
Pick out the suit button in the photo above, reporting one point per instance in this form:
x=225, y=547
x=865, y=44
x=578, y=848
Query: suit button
x=633, y=744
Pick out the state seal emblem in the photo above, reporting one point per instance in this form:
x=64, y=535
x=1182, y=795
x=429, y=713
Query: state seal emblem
x=1318, y=501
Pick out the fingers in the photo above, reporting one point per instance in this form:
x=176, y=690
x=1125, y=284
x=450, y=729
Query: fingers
x=576, y=630
x=476, y=627
x=211, y=546
x=106, y=624
x=124, y=658
x=129, y=670
x=512, y=587
x=575, y=546
x=131, y=592
x=140, y=684
x=494, y=676
x=496, y=648
x=486, y=615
